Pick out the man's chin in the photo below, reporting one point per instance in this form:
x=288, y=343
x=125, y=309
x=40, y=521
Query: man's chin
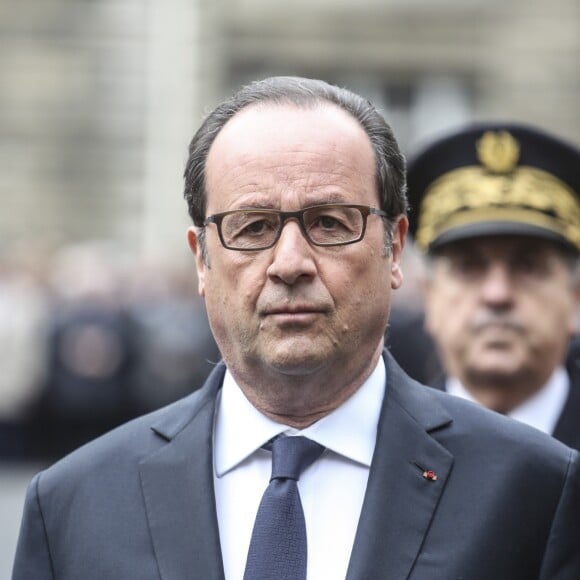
x=296, y=359
x=505, y=361
x=295, y=366
x=495, y=374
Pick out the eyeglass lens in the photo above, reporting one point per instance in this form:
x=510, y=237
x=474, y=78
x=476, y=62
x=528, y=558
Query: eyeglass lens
x=324, y=225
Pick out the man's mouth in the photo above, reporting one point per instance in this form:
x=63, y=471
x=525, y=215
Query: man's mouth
x=293, y=310
x=294, y=314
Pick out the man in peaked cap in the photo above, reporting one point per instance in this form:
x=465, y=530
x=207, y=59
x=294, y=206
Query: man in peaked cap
x=496, y=209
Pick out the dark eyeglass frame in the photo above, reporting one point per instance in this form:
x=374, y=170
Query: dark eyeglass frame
x=364, y=210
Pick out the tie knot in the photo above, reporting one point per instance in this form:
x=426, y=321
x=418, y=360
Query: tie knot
x=292, y=455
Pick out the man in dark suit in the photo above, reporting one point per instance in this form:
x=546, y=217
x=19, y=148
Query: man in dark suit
x=297, y=192
x=496, y=208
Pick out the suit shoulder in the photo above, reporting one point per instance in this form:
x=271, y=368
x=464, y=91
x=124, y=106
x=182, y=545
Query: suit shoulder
x=465, y=426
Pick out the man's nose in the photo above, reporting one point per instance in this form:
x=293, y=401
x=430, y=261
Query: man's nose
x=292, y=256
x=497, y=284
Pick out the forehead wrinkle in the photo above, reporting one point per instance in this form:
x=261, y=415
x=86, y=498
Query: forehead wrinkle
x=327, y=184
x=328, y=169
x=288, y=140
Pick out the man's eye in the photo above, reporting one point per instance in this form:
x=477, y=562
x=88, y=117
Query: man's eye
x=331, y=222
x=255, y=227
x=530, y=266
x=328, y=222
x=467, y=266
x=258, y=227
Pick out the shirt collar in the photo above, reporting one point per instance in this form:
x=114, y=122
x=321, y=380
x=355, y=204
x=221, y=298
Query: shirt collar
x=350, y=430
x=541, y=411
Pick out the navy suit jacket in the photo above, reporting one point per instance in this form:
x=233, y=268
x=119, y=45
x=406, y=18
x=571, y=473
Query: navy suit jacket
x=138, y=503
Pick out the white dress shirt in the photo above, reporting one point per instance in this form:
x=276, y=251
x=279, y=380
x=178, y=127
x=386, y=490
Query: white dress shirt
x=541, y=411
x=332, y=489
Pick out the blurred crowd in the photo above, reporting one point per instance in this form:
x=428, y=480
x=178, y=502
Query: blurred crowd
x=90, y=339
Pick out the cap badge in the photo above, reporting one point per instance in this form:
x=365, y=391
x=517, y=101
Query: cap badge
x=498, y=151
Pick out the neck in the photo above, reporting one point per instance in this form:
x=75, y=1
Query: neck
x=502, y=394
x=300, y=400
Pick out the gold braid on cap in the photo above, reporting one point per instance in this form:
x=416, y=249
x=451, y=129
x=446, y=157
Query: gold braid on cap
x=498, y=190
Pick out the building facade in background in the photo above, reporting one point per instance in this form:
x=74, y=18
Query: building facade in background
x=99, y=99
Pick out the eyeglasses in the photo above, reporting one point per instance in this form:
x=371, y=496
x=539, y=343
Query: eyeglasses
x=322, y=225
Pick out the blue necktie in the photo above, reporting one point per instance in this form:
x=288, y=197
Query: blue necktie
x=278, y=545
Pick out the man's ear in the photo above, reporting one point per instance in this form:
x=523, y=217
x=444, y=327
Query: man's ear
x=200, y=262
x=399, y=235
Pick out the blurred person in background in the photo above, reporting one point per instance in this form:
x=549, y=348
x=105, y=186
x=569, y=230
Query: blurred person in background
x=87, y=388
x=24, y=320
x=496, y=209
x=174, y=349
x=119, y=341
x=296, y=189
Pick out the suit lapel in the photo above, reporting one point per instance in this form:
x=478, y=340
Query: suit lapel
x=400, y=501
x=177, y=484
